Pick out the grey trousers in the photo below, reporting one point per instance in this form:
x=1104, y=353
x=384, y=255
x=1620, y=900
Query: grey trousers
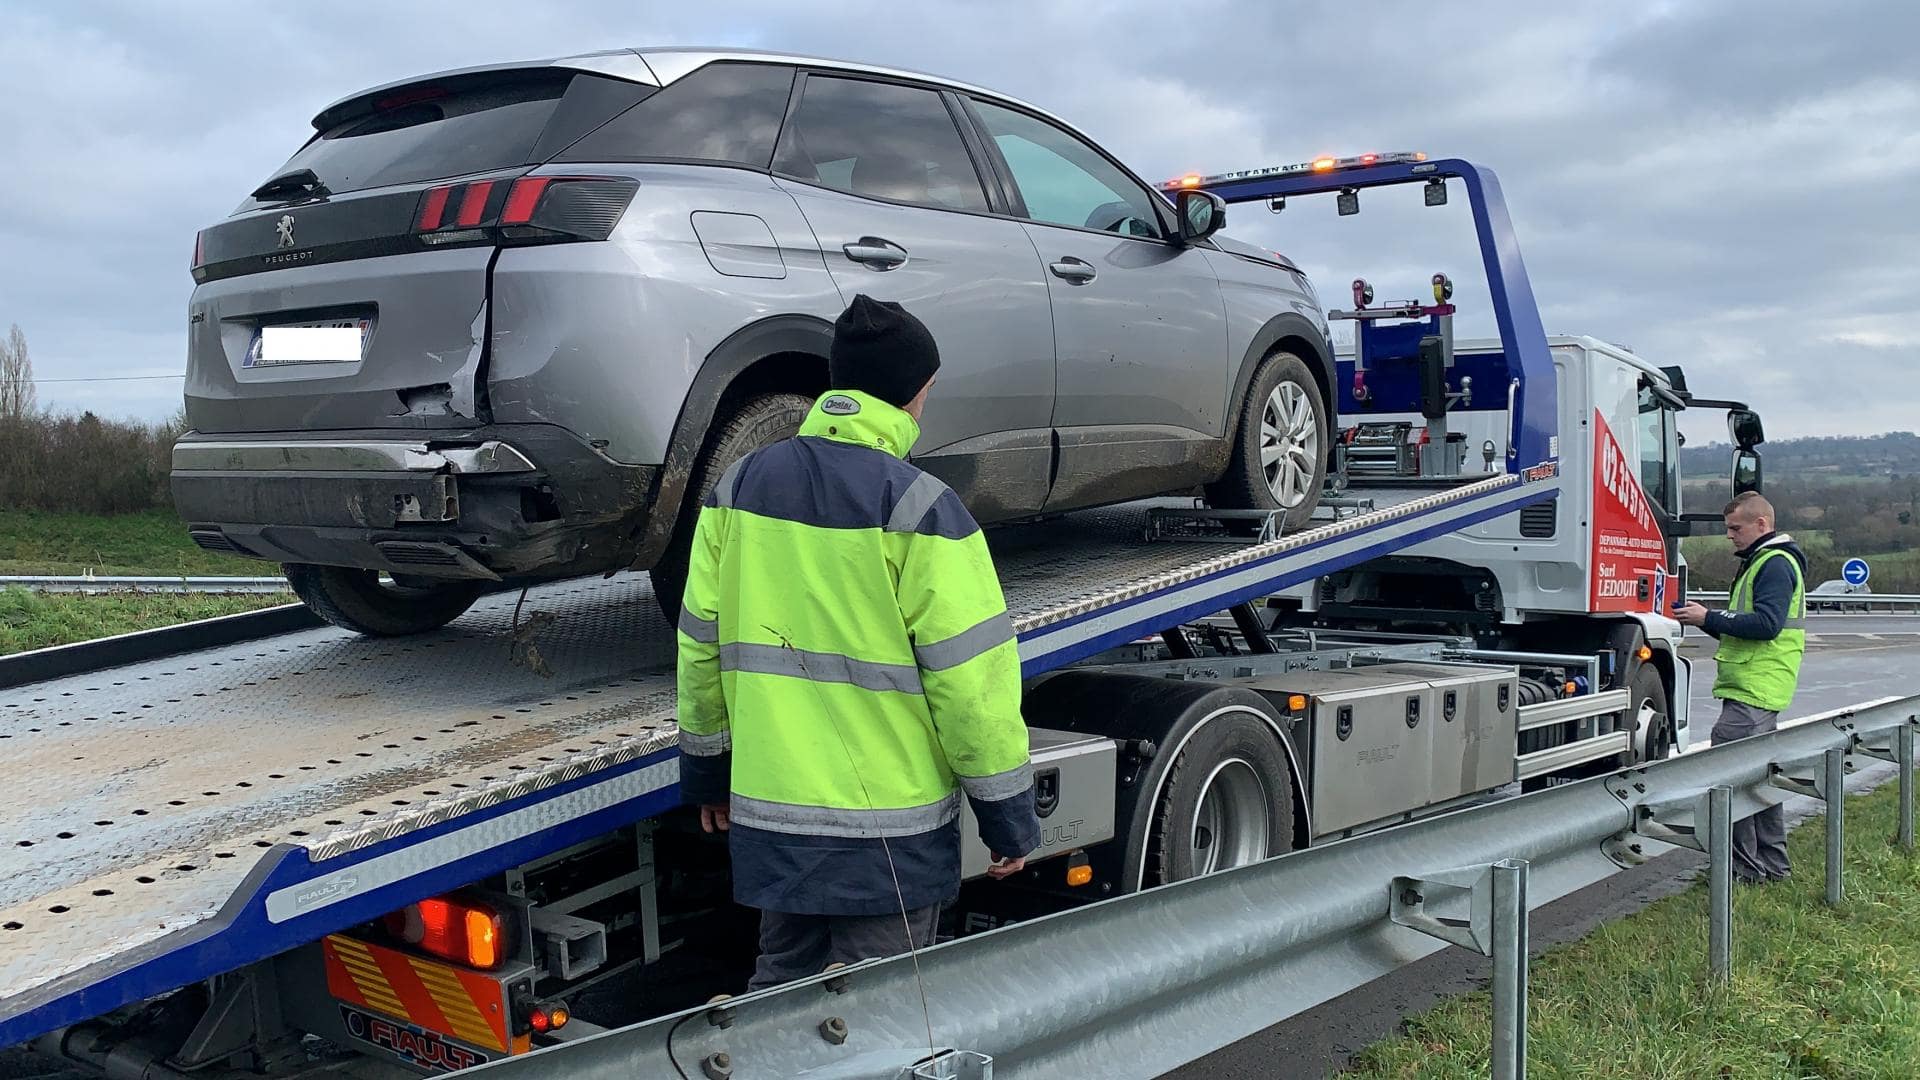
x=796, y=946
x=1760, y=841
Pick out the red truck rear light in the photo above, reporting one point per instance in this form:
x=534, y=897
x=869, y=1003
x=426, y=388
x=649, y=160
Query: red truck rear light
x=465, y=933
x=533, y=209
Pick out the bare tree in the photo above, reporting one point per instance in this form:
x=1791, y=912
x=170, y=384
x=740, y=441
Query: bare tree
x=18, y=401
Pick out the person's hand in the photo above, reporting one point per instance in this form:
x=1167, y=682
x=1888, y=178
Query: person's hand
x=713, y=817
x=1004, y=868
x=1690, y=614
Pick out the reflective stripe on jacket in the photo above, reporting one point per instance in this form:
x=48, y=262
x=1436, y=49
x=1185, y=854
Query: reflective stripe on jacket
x=847, y=669
x=1763, y=672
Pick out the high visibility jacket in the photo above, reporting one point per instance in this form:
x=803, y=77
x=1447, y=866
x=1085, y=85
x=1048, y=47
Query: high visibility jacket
x=847, y=668
x=1756, y=667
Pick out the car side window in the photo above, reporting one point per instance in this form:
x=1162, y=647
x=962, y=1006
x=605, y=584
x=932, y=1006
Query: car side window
x=882, y=140
x=725, y=113
x=1064, y=181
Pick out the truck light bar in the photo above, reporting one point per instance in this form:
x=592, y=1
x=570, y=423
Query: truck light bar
x=1317, y=165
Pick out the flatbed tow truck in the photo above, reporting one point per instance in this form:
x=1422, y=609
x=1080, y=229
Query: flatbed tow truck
x=419, y=850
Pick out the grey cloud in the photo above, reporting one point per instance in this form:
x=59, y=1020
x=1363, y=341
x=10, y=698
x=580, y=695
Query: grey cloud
x=1683, y=176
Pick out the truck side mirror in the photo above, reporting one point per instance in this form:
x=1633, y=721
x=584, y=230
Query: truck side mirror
x=1202, y=213
x=1746, y=471
x=1744, y=426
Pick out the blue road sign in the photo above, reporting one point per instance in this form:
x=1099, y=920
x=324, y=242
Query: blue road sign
x=1855, y=572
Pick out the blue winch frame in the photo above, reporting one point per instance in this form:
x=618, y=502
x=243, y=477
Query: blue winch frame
x=1534, y=448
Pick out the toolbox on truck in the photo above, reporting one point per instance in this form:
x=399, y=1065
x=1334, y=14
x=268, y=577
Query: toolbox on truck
x=1400, y=736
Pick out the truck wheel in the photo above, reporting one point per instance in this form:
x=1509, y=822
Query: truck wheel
x=358, y=600
x=1279, y=459
x=1228, y=802
x=1648, y=706
x=759, y=421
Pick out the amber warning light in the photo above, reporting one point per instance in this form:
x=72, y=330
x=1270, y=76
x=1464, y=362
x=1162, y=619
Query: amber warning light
x=1323, y=164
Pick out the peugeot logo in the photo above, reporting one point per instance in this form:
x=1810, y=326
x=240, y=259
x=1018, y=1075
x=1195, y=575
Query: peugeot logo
x=285, y=228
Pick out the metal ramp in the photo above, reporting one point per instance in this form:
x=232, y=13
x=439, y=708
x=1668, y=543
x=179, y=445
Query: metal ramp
x=212, y=809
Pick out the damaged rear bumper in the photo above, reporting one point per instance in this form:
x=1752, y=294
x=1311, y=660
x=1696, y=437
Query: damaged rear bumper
x=508, y=501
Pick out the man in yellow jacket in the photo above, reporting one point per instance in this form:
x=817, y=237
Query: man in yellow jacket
x=1762, y=635
x=848, y=670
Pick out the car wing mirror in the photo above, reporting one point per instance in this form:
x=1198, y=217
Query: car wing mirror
x=1202, y=213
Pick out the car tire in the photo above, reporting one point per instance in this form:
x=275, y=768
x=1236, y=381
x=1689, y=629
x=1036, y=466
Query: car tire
x=1279, y=454
x=1227, y=802
x=357, y=600
x=759, y=421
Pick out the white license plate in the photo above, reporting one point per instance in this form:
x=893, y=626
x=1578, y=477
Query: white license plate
x=332, y=341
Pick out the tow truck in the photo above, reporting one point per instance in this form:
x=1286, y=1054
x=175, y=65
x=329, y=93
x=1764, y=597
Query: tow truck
x=433, y=852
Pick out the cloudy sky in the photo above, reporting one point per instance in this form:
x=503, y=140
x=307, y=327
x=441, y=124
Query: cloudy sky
x=1731, y=186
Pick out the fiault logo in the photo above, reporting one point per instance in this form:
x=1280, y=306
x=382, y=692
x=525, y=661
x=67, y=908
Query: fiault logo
x=284, y=229
x=324, y=892
x=427, y=1050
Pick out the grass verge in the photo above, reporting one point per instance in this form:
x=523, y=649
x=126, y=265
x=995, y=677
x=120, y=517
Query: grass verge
x=34, y=620
x=152, y=542
x=1816, y=992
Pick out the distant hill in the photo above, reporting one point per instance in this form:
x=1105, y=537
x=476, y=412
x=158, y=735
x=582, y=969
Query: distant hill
x=1895, y=453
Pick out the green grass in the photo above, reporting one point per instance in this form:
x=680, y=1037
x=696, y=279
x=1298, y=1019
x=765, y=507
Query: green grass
x=1816, y=992
x=33, y=620
x=153, y=542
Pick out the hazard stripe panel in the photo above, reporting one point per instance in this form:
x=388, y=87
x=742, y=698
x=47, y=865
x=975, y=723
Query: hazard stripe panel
x=440, y=997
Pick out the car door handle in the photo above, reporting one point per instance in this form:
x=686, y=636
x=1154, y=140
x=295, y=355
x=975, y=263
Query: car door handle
x=876, y=252
x=1077, y=271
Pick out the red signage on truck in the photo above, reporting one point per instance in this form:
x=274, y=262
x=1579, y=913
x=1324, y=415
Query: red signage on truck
x=1628, y=564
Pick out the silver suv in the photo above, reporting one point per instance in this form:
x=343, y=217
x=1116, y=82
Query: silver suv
x=505, y=324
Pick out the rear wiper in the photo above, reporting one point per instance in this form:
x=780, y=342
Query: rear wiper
x=291, y=183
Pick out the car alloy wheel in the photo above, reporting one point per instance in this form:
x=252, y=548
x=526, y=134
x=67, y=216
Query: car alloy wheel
x=1289, y=444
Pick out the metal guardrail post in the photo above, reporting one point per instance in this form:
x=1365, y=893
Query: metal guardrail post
x=1496, y=927
x=1903, y=744
x=1899, y=750
x=1703, y=821
x=1509, y=969
x=1720, y=883
x=1836, y=765
x=1829, y=784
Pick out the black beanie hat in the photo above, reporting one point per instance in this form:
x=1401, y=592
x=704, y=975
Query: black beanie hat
x=881, y=349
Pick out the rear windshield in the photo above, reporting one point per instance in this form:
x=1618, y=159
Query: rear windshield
x=427, y=133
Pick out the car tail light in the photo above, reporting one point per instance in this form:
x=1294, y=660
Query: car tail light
x=199, y=250
x=466, y=933
x=473, y=204
x=433, y=209
x=522, y=198
x=531, y=210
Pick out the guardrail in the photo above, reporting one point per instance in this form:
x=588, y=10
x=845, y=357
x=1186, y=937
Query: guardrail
x=90, y=583
x=1835, y=603
x=1141, y=984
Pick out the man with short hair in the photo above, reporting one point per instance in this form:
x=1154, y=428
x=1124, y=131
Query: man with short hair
x=1762, y=637
x=847, y=669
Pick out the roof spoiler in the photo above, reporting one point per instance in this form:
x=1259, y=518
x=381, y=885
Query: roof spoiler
x=622, y=64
